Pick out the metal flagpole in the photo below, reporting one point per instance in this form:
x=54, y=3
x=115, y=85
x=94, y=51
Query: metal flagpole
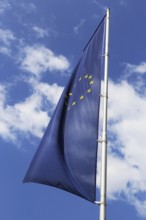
x=103, y=183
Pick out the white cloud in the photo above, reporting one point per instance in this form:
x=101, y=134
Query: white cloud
x=51, y=92
x=27, y=117
x=118, y=185
x=79, y=26
x=140, y=68
x=37, y=59
x=40, y=32
x=127, y=147
x=31, y=115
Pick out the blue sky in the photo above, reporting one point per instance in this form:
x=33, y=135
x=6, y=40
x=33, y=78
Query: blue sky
x=40, y=43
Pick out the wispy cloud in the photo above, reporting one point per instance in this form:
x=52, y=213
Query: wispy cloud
x=28, y=7
x=79, y=26
x=37, y=59
x=6, y=36
x=4, y=6
x=123, y=3
x=132, y=68
x=40, y=32
x=101, y=6
x=5, y=50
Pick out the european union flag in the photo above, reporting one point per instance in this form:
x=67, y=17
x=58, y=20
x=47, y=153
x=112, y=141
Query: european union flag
x=67, y=155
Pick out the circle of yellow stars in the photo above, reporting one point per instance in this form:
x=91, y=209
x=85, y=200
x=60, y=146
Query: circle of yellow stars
x=91, y=82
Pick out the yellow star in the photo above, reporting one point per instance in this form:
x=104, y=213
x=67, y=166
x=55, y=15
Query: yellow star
x=89, y=90
x=73, y=103
x=91, y=82
x=86, y=76
x=80, y=78
x=70, y=94
x=81, y=97
x=68, y=108
x=90, y=77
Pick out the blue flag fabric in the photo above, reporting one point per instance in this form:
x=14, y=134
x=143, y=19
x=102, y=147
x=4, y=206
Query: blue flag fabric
x=67, y=155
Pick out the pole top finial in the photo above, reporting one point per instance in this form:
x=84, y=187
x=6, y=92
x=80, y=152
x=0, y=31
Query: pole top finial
x=108, y=10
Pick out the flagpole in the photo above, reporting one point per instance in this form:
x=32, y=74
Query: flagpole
x=103, y=186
